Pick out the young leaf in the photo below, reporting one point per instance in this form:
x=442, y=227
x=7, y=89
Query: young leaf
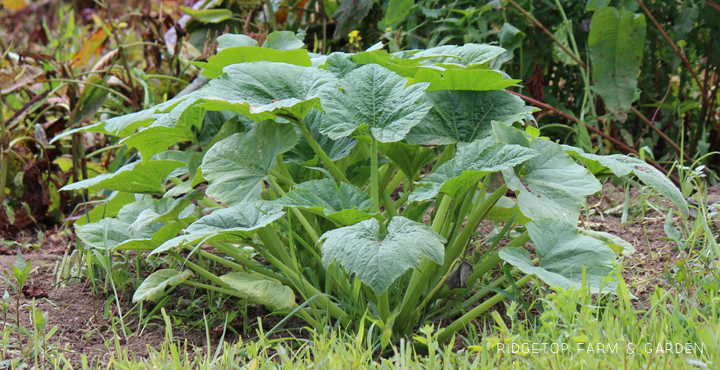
x=262, y=290
x=154, y=285
x=563, y=252
x=553, y=185
x=616, y=44
x=465, y=116
x=236, y=166
x=377, y=97
x=378, y=263
x=471, y=162
x=136, y=177
x=344, y=204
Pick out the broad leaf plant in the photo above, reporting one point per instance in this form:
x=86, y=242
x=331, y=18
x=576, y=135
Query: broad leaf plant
x=351, y=186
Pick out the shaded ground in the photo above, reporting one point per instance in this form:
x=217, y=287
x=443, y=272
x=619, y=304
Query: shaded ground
x=83, y=330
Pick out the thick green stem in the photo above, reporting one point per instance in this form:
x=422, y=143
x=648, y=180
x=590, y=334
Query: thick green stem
x=306, y=224
x=458, y=244
x=424, y=272
x=273, y=244
x=441, y=213
x=201, y=271
x=374, y=174
x=477, y=311
x=247, y=262
x=390, y=210
x=334, y=310
x=384, y=306
x=233, y=293
x=334, y=170
x=448, y=153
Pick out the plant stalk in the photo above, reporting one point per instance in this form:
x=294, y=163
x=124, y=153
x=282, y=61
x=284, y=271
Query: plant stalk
x=477, y=311
x=334, y=170
x=374, y=174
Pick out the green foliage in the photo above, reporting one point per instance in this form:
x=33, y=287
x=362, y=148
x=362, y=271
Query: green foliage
x=301, y=216
x=616, y=47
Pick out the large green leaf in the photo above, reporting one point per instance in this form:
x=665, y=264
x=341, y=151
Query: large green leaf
x=236, y=166
x=464, y=116
x=563, y=253
x=335, y=149
x=471, y=162
x=621, y=165
x=377, y=97
x=465, y=56
x=126, y=124
x=262, y=90
x=153, y=140
x=464, y=79
x=237, y=222
x=109, y=208
x=377, y=263
x=403, y=66
x=154, y=285
x=262, y=290
x=136, y=177
x=243, y=54
x=344, y=204
x=616, y=43
x=551, y=185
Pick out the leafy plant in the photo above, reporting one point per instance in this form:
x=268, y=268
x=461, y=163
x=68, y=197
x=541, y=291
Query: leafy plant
x=291, y=210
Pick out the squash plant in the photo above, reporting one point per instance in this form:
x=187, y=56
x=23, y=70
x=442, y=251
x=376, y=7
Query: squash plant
x=352, y=186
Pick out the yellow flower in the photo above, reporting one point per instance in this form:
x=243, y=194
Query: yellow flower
x=354, y=36
x=389, y=29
